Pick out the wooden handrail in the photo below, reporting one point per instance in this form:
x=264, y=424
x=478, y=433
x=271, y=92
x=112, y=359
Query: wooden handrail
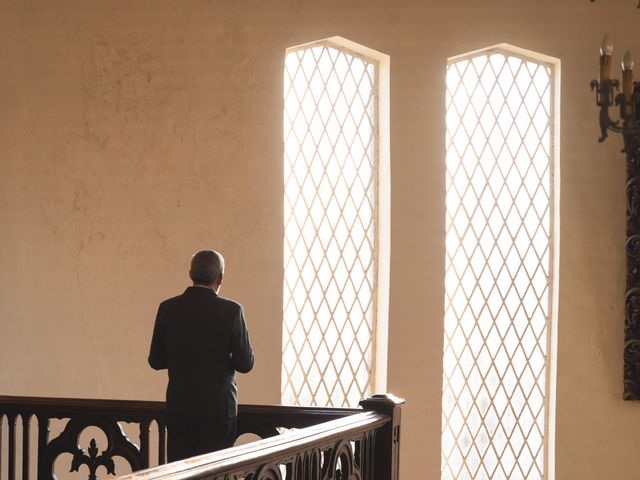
x=277, y=450
x=69, y=406
x=284, y=416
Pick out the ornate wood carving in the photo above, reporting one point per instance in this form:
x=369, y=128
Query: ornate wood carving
x=632, y=299
x=68, y=442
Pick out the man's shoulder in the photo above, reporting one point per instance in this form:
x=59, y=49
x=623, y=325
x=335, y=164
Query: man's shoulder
x=170, y=301
x=228, y=302
x=232, y=304
x=179, y=301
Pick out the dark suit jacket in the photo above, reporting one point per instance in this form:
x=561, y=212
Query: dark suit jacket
x=202, y=339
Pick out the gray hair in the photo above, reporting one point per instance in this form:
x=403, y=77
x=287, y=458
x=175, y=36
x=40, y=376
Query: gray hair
x=206, y=267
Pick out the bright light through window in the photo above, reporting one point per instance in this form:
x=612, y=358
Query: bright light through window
x=498, y=251
x=330, y=226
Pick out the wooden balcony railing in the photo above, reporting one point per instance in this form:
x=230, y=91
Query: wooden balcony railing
x=301, y=443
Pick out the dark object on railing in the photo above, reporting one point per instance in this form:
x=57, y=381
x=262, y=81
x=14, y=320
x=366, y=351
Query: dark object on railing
x=334, y=440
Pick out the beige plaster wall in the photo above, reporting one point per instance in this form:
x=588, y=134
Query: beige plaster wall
x=133, y=133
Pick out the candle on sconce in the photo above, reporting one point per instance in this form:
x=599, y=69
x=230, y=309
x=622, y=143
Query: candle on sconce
x=605, y=58
x=627, y=75
x=627, y=82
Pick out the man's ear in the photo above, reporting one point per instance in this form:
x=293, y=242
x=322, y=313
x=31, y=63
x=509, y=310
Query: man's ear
x=220, y=278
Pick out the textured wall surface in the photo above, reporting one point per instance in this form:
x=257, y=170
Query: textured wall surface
x=133, y=133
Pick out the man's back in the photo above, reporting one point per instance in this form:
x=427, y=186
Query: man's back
x=202, y=339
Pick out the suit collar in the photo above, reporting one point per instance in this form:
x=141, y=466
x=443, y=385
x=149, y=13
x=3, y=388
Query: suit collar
x=200, y=290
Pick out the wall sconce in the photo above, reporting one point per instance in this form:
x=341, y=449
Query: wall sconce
x=629, y=102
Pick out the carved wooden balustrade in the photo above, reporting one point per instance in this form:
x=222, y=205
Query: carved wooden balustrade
x=309, y=443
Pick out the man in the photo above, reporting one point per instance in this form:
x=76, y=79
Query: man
x=202, y=339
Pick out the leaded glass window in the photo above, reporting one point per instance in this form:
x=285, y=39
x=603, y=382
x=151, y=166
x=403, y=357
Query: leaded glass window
x=499, y=200
x=330, y=207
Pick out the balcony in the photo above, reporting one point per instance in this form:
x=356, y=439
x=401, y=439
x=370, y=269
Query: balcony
x=301, y=443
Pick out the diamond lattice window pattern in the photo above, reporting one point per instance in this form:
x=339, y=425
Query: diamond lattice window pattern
x=498, y=238
x=330, y=226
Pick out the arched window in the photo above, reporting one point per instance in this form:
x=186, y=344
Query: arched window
x=499, y=258
x=334, y=318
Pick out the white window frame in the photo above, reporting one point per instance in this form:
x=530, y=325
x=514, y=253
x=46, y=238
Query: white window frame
x=554, y=243
x=378, y=379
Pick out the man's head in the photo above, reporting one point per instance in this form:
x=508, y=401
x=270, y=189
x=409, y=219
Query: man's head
x=207, y=269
